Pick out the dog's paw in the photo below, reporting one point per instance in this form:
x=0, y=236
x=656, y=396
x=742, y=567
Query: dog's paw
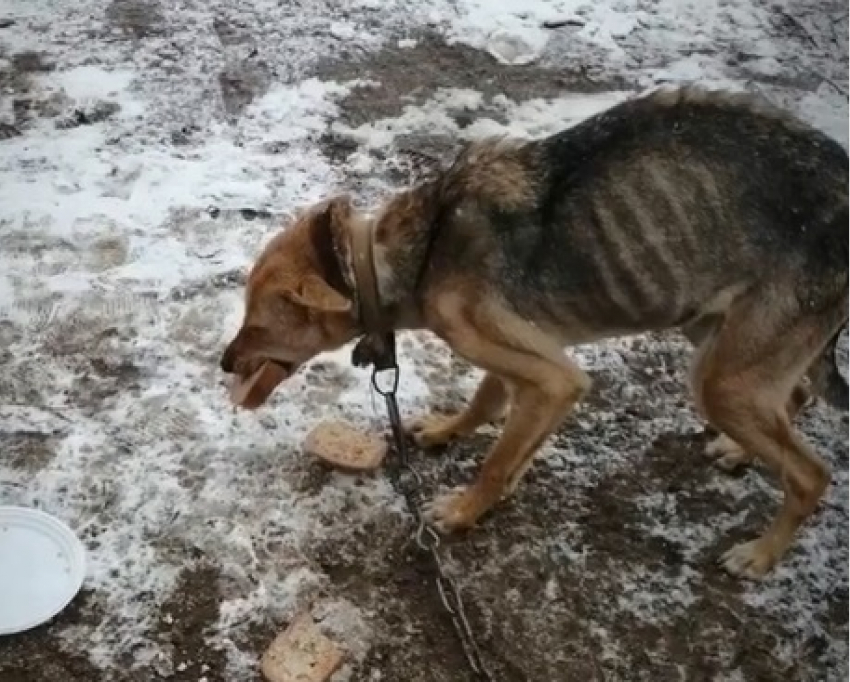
x=432, y=431
x=454, y=510
x=727, y=454
x=751, y=559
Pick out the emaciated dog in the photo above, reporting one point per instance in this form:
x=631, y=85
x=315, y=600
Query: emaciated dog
x=704, y=211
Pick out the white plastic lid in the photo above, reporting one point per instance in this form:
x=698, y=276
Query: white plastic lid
x=42, y=567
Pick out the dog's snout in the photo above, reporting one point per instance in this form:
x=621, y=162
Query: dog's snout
x=228, y=360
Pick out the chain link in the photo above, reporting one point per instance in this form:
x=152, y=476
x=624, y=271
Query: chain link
x=408, y=481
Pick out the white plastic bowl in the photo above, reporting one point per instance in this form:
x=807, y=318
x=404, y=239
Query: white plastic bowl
x=42, y=567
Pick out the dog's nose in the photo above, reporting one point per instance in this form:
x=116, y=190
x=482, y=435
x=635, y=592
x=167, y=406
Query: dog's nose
x=227, y=360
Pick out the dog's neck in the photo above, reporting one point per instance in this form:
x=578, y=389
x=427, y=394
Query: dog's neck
x=384, y=259
x=371, y=313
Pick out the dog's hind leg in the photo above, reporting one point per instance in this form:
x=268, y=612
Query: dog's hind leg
x=731, y=457
x=725, y=452
x=743, y=380
x=488, y=404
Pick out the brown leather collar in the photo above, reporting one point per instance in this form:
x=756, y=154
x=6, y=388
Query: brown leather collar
x=370, y=313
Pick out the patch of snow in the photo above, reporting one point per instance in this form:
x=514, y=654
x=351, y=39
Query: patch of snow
x=540, y=117
x=516, y=48
x=529, y=119
x=93, y=82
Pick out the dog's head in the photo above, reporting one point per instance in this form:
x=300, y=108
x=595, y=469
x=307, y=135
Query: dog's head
x=297, y=304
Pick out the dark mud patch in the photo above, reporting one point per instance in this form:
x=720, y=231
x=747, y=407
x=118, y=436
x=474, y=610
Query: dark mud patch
x=102, y=379
x=246, y=75
x=31, y=62
x=88, y=114
x=136, y=18
x=28, y=451
x=16, y=82
x=575, y=577
x=18, y=77
x=558, y=576
x=412, y=75
x=39, y=654
x=241, y=83
x=399, y=77
x=191, y=610
x=383, y=573
x=231, y=279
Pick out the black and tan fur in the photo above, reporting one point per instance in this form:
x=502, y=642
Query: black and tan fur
x=707, y=212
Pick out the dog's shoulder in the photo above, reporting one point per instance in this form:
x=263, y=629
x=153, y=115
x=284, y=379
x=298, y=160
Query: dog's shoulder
x=500, y=172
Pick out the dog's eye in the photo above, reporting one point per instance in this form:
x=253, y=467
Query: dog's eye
x=290, y=310
x=284, y=303
x=253, y=335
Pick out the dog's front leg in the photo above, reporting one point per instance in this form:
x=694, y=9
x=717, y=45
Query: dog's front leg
x=543, y=385
x=535, y=412
x=543, y=391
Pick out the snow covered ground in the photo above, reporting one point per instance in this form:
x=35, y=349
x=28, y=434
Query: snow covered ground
x=148, y=149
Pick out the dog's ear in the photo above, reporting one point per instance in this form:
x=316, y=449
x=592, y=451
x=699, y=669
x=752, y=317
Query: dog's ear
x=329, y=237
x=339, y=210
x=333, y=216
x=316, y=294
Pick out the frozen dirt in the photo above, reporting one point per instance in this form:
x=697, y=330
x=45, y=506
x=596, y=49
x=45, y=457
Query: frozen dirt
x=147, y=151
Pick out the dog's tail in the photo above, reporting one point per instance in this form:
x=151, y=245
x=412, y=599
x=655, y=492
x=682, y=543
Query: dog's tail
x=827, y=381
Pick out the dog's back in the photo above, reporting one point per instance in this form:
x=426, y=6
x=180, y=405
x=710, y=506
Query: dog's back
x=687, y=209
x=652, y=214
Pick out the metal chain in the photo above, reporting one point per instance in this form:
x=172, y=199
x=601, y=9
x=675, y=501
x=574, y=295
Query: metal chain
x=408, y=481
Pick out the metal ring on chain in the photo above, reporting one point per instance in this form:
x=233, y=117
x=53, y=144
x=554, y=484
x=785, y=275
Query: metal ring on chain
x=385, y=392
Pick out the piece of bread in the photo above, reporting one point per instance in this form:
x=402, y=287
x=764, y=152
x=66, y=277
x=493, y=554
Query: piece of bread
x=301, y=653
x=342, y=446
x=252, y=391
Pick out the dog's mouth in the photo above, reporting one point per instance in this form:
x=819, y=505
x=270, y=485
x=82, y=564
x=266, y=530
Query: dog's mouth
x=252, y=387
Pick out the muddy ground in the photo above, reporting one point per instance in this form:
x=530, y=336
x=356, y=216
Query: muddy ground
x=536, y=605
x=601, y=567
